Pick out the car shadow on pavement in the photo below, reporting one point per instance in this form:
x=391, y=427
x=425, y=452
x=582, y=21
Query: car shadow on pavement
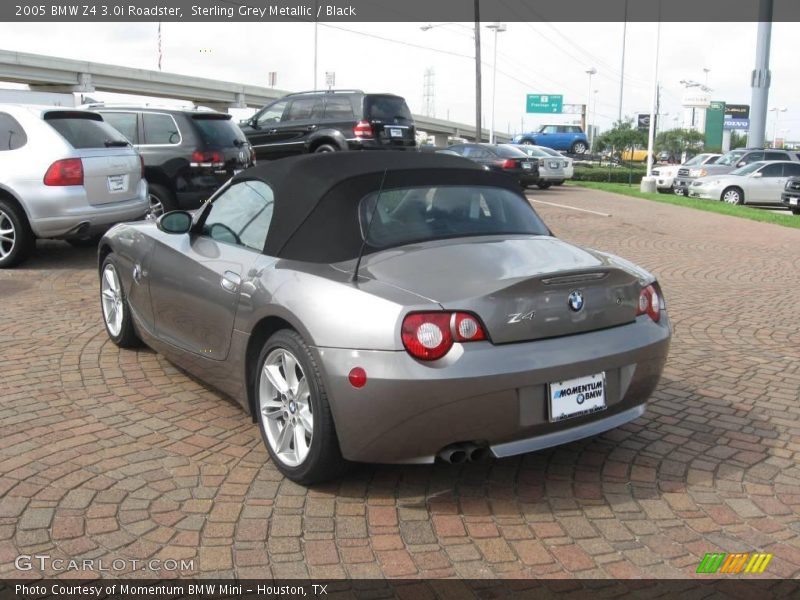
x=50, y=255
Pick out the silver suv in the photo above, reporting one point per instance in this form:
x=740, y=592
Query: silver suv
x=64, y=174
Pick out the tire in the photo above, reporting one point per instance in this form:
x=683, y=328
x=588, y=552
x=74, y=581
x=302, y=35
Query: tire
x=161, y=199
x=796, y=210
x=325, y=148
x=664, y=190
x=303, y=461
x=732, y=195
x=544, y=185
x=114, y=306
x=678, y=191
x=16, y=238
x=579, y=148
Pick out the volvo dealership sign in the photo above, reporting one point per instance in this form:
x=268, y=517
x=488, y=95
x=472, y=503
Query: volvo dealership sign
x=737, y=116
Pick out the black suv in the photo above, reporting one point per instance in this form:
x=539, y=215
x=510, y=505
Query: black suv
x=188, y=153
x=329, y=121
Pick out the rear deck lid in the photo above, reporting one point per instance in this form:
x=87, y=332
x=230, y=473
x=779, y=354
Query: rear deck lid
x=390, y=118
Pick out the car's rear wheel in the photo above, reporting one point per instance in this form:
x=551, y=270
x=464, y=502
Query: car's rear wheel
x=325, y=148
x=796, y=210
x=579, y=148
x=161, y=200
x=733, y=195
x=543, y=185
x=116, y=312
x=293, y=411
x=16, y=238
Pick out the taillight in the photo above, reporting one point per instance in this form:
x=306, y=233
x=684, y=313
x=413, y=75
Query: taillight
x=429, y=336
x=508, y=164
x=649, y=303
x=68, y=171
x=207, y=159
x=363, y=129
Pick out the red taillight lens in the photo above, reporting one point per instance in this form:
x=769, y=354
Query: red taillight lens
x=363, y=129
x=429, y=336
x=649, y=303
x=508, y=164
x=68, y=171
x=206, y=157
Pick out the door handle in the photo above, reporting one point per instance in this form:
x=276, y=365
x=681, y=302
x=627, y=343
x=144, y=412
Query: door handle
x=311, y=128
x=230, y=282
x=272, y=131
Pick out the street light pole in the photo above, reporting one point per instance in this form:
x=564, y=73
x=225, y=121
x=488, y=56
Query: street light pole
x=777, y=112
x=316, y=27
x=622, y=65
x=478, y=111
x=590, y=71
x=498, y=28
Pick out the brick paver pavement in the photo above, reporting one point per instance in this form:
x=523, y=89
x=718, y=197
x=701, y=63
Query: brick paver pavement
x=116, y=454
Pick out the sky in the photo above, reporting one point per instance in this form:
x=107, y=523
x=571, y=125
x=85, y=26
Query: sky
x=541, y=58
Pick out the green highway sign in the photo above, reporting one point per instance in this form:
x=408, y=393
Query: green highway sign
x=544, y=103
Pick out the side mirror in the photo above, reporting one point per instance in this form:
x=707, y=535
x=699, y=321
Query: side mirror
x=177, y=221
x=741, y=163
x=757, y=174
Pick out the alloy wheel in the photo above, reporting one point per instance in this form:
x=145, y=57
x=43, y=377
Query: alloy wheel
x=731, y=197
x=8, y=235
x=284, y=406
x=111, y=294
x=156, y=208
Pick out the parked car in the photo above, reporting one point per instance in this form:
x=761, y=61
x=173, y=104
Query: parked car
x=330, y=121
x=569, y=164
x=551, y=169
x=760, y=182
x=504, y=158
x=392, y=307
x=727, y=163
x=569, y=138
x=64, y=174
x=188, y=153
x=791, y=195
x=665, y=175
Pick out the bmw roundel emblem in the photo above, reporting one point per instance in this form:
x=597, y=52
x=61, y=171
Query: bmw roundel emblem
x=575, y=301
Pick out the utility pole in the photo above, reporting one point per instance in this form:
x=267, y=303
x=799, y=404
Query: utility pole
x=622, y=66
x=428, y=94
x=760, y=79
x=478, y=112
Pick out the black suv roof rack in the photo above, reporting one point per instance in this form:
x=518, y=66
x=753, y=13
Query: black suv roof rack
x=353, y=91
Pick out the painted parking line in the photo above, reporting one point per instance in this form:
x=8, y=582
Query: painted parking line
x=594, y=212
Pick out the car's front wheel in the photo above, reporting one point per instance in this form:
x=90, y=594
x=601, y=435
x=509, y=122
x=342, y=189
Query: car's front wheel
x=293, y=412
x=579, y=148
x=114, y=303
x=543, y=185
x=325, y=148
x=733, y=195
x=16, y=238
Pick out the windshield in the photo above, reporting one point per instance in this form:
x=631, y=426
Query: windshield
x=420, y=214
x=219, y=132
x=552, y=152
x=388, y=108
x=84, y=130
x=697, y=160
x=747, y=169
x=731, y=158
x=504, y=151
x=534, y=151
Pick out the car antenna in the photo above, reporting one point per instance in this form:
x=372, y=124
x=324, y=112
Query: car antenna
x=369, y=226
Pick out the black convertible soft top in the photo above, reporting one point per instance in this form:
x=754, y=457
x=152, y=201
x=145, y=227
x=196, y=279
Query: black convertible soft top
x=315, y=215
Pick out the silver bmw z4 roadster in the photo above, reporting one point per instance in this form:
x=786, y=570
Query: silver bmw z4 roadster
x=388, y=307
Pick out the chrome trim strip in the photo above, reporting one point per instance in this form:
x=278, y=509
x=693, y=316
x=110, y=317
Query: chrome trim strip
x=557, y=438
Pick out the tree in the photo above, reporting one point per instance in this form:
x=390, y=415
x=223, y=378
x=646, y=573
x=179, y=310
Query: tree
x=622, y=137
x=677, y=141
x=738, y=140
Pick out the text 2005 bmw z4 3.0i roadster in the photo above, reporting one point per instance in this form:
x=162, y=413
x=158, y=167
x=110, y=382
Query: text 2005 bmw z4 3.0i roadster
x=388, y=307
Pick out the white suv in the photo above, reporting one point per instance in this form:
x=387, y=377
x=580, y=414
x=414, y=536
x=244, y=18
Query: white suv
x=64, y=174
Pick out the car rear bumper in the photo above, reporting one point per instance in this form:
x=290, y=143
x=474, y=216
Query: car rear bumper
x=64, y=212
x=367, y=144
x=491, y=395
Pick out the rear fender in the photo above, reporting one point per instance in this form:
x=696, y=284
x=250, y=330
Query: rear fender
x=326, y=136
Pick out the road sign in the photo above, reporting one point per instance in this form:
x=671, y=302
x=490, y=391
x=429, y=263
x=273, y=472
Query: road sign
x=545, y=103
x=643, y=121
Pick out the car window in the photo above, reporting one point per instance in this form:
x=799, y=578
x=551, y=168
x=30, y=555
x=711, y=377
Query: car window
x=791, y=169
x=403, y=216
x=160, y=129
x=272, y=114
x=504, y=151
x=12, y=135
x=241, y=215
x=338, y=107
x=752, y=157
x=549, y=129
x=126, y=123
x=776, y=156
x=218, y=131
x=712, y=160
x=460, y=149
x=304, y=109
x=747, y=169
x=475, y=152
x=774, y=170
x=731, y=158
x=84, y=129
x=387, y=108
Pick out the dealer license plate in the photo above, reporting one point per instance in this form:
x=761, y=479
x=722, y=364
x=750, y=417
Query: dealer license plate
x=117, y=183
x=577, y=397
x=395, y=132
x=793, y=201
x=554, y=165
x=526, y=165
